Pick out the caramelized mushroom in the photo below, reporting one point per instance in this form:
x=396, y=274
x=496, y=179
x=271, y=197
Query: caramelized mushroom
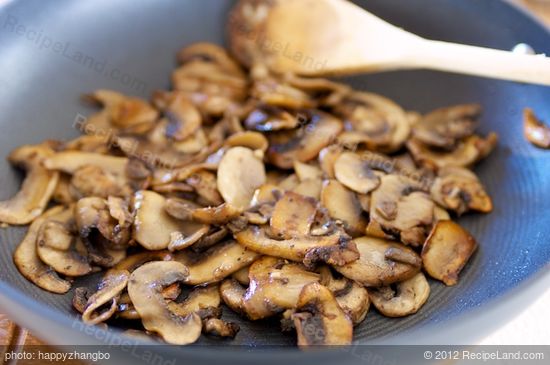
x=240, y=173
x=145, y=290
x=342, y=204
x=232, y=294
x=535, y=130
x=109, y=289
x=399, y=210
x=37, y=188
x=319, y=320
x=407, y=297
x=28, y=263
x=446, y=251
x=292, y=216
x=220, y=328
x=381, y=262
x=198, y=300
x=460, y=190
x=355, y=173
x=71, y=161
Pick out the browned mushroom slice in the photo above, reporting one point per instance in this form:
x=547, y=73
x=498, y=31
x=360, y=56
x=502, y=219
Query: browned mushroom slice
x=381, y=262
x=444, y=127
x=121, y=112
x=59, y=248
x=440, y=214
x=275, y=92
x=240, y=173
x=220, y=328
x=28, y=263
x=342, y=204
x=62, y=193
x=88, y=143
x=232, y=294
x=216, y=263
x=109, y=289
x=185, y=210
x=297, y=248
x=467, y=152
x=145, y=290
x=307, y=171
x=460, y=190
x=351, y=297
x=355, y=173
x=134, y=261
x=292, y=216
x=211, y=53
x=199, y=299
x=252, y=140
x=266, y=194
x=319, y=320
x=327, y=159
x=407, y=297
x=326, y=92
x=446, y=251
x=267, y=118
x=92, y=180
x=535, y=130
x=183, y=118
x=303, y=144
x=398, y=210
x=242, y=276
x=80, y=299
x=179, y=241
x=37, y=188
x=71, y=161
x=275, y=285
x=153, y=225
x=205, y=185
x=376, y=121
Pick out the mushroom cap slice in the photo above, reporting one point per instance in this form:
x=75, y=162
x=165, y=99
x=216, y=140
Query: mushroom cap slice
x=293, y=216
x=375, y=268
x=399, y=210
x=199, y=299
x=466, y=153
x=70, y=260
x=145, y=290
x=37, y=188
x=444, y=127
x=216, y=263
x=355, y=173
x=153, y=225
x=179, y=241
x=220, y=328
x=134, y=261
x=446, y=251
x=319, y=320
x=183, y=117
x=342, y=204
x=232, y=294
x=535, y=130
x=186, y=210
x=295, y=249
x=28, y=263
x=459, y=189
x=275, y=285
x=303, y=144
x=71, y=161
x=327, y=159
x=407, y=298
x=109, y=289
x=240, y=173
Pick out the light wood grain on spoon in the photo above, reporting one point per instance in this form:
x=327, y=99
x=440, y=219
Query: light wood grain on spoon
x=326, y=37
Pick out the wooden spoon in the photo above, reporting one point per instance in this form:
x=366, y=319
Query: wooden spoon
x=327, y=37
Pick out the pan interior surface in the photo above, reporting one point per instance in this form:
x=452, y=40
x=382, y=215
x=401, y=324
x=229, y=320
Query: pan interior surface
x=53, y=52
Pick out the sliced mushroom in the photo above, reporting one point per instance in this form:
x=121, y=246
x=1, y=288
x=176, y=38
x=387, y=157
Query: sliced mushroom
x=205, y=185
x=399, y=210
x=145, y=290
x=152, y=225
x=252, y=140
x=355, y=173
x=242, y=276
x=319, y=320
x=220, y=328
x=28, y=263
x=109, y=289
x=92, y=180
x=232, y=294
x=268, y=118
x=71, y=161
x=183, y=117
x=240, y=173
x=214, y=236
x=407, y=297
x=332, y=248
x=62, y=193
x=179, y=241
x=134, y=261
x=303, y=144
x=216, y=263
x=459, y=189
x=351, y=297
x=535, y=130
x=80, y=299
x=375, y=121
x=381, y=262
x=292, y=216
x=342, y=204
x=198, y=300
x=446, y=251
x=444, y=127
x=37, y=189
x=185, y=210
x=59, y=248
x=466, y=153
x=275, y=285
x=327, y=159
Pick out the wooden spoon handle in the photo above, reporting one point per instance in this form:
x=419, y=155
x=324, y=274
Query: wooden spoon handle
x=480, y=61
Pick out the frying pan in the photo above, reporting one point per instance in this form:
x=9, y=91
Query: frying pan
x=130, y=47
